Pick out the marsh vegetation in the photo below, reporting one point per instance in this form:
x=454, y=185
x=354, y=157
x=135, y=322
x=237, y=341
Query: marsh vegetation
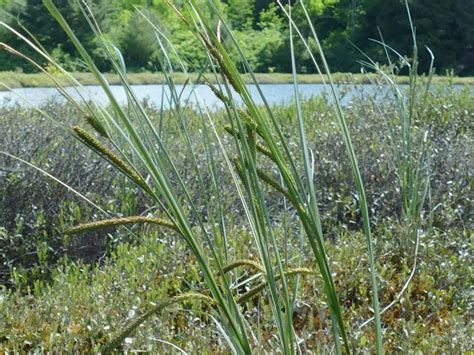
x=309, y=227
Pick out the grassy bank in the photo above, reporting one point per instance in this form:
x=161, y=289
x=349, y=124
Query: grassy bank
x=19, y=80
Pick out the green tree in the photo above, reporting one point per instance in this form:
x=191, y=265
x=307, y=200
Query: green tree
x=34, y=16
x=445, y=26
x=240, y=13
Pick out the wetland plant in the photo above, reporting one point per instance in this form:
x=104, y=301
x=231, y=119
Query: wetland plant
x=260, y=161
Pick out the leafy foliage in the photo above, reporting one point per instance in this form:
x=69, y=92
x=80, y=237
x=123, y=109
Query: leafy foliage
x=261, y=27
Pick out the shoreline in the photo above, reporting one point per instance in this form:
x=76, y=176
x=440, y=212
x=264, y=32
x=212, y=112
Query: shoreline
x=16, y=80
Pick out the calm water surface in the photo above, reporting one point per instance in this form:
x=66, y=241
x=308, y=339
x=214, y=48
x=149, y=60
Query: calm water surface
x=157, y=95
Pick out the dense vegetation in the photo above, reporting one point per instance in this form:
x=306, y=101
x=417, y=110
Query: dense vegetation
x=74, y=303
x=261, y=28
x=310, y=226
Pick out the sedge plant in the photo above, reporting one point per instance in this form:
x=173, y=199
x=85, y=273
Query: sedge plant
x=409, y=145
x=131, y=141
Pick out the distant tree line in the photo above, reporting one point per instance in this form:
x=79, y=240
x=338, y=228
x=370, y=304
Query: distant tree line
x=347, y=28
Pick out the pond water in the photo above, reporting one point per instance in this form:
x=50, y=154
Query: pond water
x=275, y=94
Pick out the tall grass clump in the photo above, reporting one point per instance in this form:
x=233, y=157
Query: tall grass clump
x=259, y=162
x=409, y=142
